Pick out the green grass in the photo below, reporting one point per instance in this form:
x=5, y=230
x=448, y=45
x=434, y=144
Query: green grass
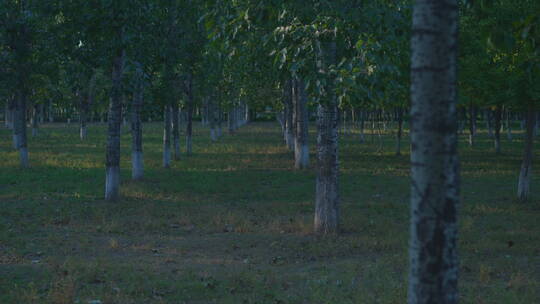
x=232, y=224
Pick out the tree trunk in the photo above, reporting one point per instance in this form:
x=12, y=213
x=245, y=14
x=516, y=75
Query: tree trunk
x=434, y=161
x=362, y=125
x=489, y=125
x=86, y=101
x=114, y=120
x=525, y=174
x=508, y=126
x=83, y=113
x=230, y=121
x=280, y=117
x=8, y=115
x=212, y=117
x=237, y=117
x=19, y=127
x=497, y=119
x=400, y=130
x=247, y=117
x=537, y=129
x=327, y=190
x=287, y=101
x=35, y=120
x=50, y=112
x=167, y=136
x=137, y=163
x=373, y=114
x=219, y=121
x=301, y=148
x=189, y=118
x=175, y=130
x=472, y=124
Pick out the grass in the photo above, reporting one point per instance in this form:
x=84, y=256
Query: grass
x=232, y=224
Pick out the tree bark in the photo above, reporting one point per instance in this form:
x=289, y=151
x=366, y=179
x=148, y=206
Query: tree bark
x=83, y=113
x=508, y=126
x=6, y=114
x=219, y=121
x=362, y=125
x=167, y=136
x=114, y=120
x=230, y=121
x=497, y=116
x=400, y=130
x=189, y=118
x=489, y=125
x=137, y=160
x=19, y=126
x=472, y=124
x=213, y=120
x=175, y=130
x=537, y=129
x=86, y=101
x=327, y=190
x=287, y=102
x=21, y=46
x=433, y=255
x=50, y=112
x=35, y=120
x=301, y=148
x=525, y=174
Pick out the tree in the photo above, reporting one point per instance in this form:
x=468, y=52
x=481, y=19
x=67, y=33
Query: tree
x=434, y=162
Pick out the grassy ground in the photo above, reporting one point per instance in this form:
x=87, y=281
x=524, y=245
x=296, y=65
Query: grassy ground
x=232, y=224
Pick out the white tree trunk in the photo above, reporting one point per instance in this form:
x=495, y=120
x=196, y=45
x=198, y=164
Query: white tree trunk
x=137, y=157
x=434, y=163
x=326, y=186
x=114, y=119
x=301, y=148
x=287, y=101
x=525, y=174
x=167, y=136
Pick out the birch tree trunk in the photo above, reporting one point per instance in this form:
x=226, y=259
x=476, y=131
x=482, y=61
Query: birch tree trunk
x=362, y=125
x=434, y=162
x=86, y=101
x=508, y=126
x=137, y=162
x=301, y=148
x=35, y=120
x=230, y=121
x=21, y=46
x=537, y=129
x=212, y=117
x=472, y=124
x=167, y=136
x=175, y=130
x=114, y=121
x=247, y=117
x=50, y=112
x=326, y=189
x=19, y=127
x=287, y=101
x=189, y=114
x=489, y=125
x=219, y=121
x=400, y=130
x=8, y=115
x=497, y=116
x=83, y=113
x=525, y=174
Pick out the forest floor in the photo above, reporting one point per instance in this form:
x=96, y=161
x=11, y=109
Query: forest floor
x=232, y=223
